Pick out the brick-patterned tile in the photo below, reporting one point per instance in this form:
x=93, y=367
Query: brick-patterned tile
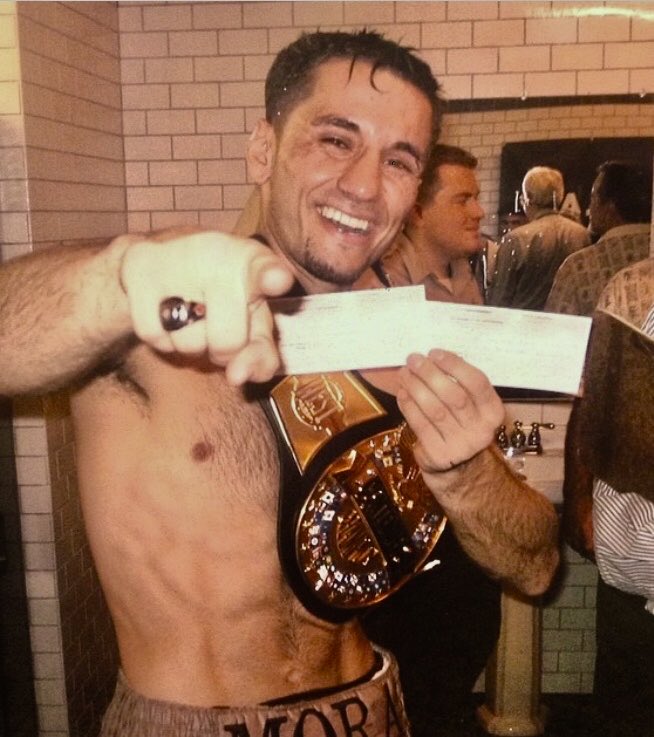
x=168, y=70
x=253, y=41
x=447, y=35
x=544, y=84
x=551, y=30
x=197, y=147
x=231, y=171
x=143, y=45
x=165, y=17
x=498, y=33
x=148, y=148
x=169, y=122
x=472, y=61
x=605, y=82
x=221, y=68
x=173, y=172
x=317, y=13
x=472, y=10
x=173, y=219
x=242, y=94
x=267, y=14
x=229, y=120
x=150, y=198
x=574, y=57
x=604, y=28
x=408, y=11
x=146, y=96
x=193, y=43
x=217, y=15
x=197, y=94
x=201, y=197
x=368, y=13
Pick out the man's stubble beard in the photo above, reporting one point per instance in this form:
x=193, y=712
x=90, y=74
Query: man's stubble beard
x=326, y=272
x=306, y=258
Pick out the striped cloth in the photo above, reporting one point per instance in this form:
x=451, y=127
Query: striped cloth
x=624, y=533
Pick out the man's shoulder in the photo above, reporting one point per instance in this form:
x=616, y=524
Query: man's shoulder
x=572, y=228
x=630, y=293
x=579, y=260
x=636, y=232
x=641, y=271
x=403, y=263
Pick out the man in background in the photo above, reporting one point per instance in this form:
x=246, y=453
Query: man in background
x=619, y=215
x=529, y=256
x=616, y=530
x=442, y=235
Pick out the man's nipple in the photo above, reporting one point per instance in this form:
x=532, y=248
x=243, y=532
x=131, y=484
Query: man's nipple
x=202, y=451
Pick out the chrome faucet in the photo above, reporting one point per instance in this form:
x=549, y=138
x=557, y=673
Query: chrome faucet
x=519, y=443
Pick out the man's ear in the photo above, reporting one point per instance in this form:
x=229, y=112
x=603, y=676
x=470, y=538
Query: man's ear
x=415, y=215
x=260, y=153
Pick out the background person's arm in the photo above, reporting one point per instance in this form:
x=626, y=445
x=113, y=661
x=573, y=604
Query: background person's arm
x=577, y=519
x=501, y=292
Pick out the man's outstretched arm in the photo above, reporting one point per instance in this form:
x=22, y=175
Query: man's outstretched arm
x=65, y=309
x=60, y=310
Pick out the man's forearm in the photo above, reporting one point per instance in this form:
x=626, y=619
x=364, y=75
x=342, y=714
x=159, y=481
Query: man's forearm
x=61, y=310
x=508, y=528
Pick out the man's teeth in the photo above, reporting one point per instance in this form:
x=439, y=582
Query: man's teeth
x=341, y=218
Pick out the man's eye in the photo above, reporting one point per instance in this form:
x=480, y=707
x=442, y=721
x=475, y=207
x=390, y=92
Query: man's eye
x=402, y=165
x=336, y=142
x=397, y=164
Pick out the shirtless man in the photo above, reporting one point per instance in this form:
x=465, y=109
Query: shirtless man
x=179, y=469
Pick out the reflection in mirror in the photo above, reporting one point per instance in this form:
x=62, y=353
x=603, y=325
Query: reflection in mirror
x=576, y=158
x=592, y=128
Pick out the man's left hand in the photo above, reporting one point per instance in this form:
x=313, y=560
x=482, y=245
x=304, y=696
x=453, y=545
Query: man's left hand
x=451, y=407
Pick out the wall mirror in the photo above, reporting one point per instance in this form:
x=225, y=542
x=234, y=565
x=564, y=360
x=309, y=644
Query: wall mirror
x=573, y=134
x=576, y=158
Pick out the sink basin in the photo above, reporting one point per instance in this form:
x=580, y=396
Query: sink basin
x=543, y=472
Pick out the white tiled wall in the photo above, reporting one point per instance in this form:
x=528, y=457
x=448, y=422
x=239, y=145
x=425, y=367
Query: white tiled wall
x=193, y=80
x=62, y=169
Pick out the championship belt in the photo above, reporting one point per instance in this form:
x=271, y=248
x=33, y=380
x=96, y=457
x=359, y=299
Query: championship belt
x=356, y=519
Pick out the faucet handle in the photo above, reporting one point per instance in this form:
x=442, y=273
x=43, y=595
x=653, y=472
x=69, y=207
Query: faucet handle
x=518, y=437
x=534, y=440
x=501, y=438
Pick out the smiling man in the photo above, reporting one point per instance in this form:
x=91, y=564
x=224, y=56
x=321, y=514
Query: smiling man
x=233, y=565
x=347, y=198
x=442, y=233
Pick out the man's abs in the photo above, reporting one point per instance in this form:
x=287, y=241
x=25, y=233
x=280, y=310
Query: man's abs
x=179, y=484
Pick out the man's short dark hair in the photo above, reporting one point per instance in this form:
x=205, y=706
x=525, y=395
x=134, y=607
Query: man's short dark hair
x=628, y=185
x=291, y=76
x=441, y=154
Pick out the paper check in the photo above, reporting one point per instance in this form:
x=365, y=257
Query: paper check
x=380, y=327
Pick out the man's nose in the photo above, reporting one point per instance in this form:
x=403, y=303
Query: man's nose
x=361, y=176
x=476, y=210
